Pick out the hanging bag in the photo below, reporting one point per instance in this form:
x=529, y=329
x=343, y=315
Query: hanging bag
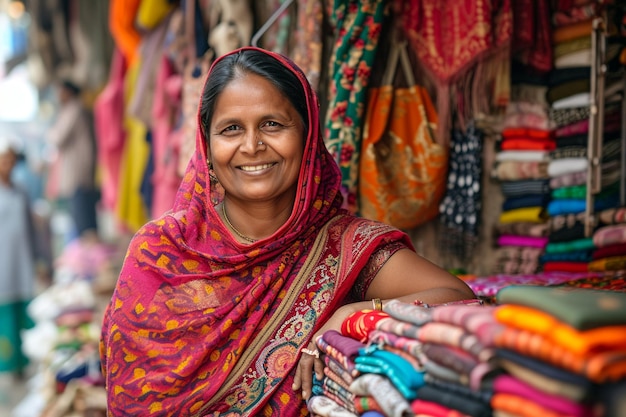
x=402, y=173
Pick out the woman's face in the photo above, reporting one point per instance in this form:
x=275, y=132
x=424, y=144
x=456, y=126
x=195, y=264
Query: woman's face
x=248, y=111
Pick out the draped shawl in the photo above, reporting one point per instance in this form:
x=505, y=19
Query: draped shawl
x=200, y=324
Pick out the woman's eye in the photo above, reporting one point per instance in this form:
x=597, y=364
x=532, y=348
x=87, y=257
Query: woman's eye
x=231, y=128
x=272, y=123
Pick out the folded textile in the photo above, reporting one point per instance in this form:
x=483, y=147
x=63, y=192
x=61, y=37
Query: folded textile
x=526, y=214
x=581, y=308
x=523, y=155
x=613, y=263
x=341, y=348
x=465, y=405
x=518, y=405
x=609, y=235
x=572, y=205
x=566, y=234
x=518, y=253
x=545, y=377
x=576, y=30
x=359, y=324
x=520, y=170
x=399, y=371
x=599, y=367
x=523, y=187
x=513, y=266
x=430, y=408
x=529, y=200
x=392, y=403
x=323, y=406
x=573, y=256
x=610, y=174
x=613, y=215
x=521, y=228
x=585, y=243
x=580, y=342
x=566, y=266
x=555, y=403
x=513, y=240
x=566, y=166
x=409, y=345
x=616, y=249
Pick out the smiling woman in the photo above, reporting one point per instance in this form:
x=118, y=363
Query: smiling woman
x=219, y=301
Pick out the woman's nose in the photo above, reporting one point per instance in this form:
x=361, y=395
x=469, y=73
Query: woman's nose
x=252, y=142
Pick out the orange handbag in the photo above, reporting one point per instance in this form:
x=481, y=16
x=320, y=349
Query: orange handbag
x=402, y=172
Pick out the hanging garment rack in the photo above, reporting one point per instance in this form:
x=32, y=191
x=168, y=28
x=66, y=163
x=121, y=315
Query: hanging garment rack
x=273, y=18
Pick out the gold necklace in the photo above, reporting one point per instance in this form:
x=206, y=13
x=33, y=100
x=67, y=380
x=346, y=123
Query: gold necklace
x=233, y=228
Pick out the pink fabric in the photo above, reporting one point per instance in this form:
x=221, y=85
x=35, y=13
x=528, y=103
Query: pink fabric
x=609, y=235
x=612, y=123
x=108, y=115
x=166, y=113
x=511, y=385
x=488, y=286
x=515, y=240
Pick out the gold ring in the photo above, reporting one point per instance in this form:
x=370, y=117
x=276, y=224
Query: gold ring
x=315, y=353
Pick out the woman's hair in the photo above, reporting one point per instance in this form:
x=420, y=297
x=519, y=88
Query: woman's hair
x=251, y=62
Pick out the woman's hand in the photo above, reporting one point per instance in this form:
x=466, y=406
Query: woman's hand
x=308, y=363
x=310, y=360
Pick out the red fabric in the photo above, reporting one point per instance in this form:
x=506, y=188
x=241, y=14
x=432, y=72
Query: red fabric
x=617, y=249
x=532, y=44
x=449, y=36
x=525, y=132
x=359, y=325
x=564, y=266
x=520, y=144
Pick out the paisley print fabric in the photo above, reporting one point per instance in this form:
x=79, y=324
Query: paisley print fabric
x=202, y=325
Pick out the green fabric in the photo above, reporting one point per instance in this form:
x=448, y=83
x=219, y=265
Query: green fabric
x=573, y=245
x=14, y=320
x=360, y=25
x=580, y=191
x=581, y=308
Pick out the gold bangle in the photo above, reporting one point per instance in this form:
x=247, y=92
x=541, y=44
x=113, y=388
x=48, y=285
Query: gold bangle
x=377, y=304
x=315, y=353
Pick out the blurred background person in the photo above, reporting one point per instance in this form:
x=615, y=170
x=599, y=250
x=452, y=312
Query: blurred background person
x=17, y=255
x=71, y=180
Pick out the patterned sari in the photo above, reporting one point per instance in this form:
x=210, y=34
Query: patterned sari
x=203, y=325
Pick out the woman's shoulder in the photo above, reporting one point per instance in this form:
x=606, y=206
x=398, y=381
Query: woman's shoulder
x=363, y=229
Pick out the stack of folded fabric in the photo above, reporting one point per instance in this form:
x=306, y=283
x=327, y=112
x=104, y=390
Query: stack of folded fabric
x=563, y=350
x=408, y=360
x=521, y=166
x=526, y=142
x=359, y=379
x=570, y=101
x=610, y=243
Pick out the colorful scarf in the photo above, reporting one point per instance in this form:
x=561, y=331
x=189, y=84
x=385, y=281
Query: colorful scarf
x=357, y=25
x=201, y=324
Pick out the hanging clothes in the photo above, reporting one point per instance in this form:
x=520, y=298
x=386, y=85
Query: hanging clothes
x=465, y=47
x=357, y=25
x=460, y=209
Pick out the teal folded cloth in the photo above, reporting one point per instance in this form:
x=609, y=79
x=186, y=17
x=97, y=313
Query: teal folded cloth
x=398, y=370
